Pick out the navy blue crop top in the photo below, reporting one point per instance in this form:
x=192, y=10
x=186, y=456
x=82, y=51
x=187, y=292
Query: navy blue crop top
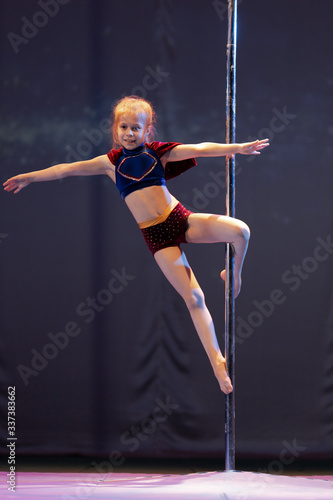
x=142, y=167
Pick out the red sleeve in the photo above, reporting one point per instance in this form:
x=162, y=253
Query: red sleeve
x=172, y=168
x=114, y=154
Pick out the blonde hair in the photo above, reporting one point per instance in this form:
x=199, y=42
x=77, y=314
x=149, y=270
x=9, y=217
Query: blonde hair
x=133, y=105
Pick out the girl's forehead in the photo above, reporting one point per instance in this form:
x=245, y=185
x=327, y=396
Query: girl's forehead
x=133, y=118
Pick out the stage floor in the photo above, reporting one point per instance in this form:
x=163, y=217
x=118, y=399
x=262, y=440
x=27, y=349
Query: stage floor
x=233, y=485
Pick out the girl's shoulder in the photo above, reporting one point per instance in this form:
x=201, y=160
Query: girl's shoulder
x=114, y=155
x=161, y=147
x=173, y=168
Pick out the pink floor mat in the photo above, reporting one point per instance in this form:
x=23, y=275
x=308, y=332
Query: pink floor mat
x=208, y=486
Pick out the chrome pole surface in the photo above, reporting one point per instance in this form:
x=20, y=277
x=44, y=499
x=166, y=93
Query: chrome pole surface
x=229, y=257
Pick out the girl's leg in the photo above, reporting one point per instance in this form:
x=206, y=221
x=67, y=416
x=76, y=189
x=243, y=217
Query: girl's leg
x=208, y=228
x=175, y=267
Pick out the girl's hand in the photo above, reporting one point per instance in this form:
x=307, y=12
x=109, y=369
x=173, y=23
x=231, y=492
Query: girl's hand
x=18, y=182
x=253, y=148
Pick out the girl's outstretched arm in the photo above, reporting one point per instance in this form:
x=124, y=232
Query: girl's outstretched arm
x=97, y=166
x=185, y=151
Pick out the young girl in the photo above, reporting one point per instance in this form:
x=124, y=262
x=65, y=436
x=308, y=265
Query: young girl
x=140, y=170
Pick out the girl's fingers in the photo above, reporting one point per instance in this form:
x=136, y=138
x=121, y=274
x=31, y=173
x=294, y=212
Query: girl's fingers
x=10, y=186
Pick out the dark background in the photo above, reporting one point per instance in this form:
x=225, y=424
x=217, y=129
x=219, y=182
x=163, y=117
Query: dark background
x=102, y=389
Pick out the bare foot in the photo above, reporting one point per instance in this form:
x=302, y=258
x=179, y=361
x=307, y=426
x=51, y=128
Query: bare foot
x=237, y=283
x=221, y=373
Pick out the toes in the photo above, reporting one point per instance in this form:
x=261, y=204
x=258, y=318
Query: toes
x=227, y=388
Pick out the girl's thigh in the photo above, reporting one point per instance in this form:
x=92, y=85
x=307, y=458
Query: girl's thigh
x=212, y=228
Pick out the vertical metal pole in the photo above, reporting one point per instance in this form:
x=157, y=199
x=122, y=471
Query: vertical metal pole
x=230, y=211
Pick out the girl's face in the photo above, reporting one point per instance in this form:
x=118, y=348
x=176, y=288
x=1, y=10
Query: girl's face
x=132, y=131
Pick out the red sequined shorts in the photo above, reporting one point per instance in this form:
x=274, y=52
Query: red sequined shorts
x=170, y=233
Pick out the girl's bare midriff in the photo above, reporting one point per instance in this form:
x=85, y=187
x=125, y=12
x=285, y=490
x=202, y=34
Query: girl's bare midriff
x=150, y=202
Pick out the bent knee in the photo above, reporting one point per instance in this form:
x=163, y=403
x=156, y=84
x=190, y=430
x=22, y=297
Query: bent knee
x=243, y=231
x=195, y=299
